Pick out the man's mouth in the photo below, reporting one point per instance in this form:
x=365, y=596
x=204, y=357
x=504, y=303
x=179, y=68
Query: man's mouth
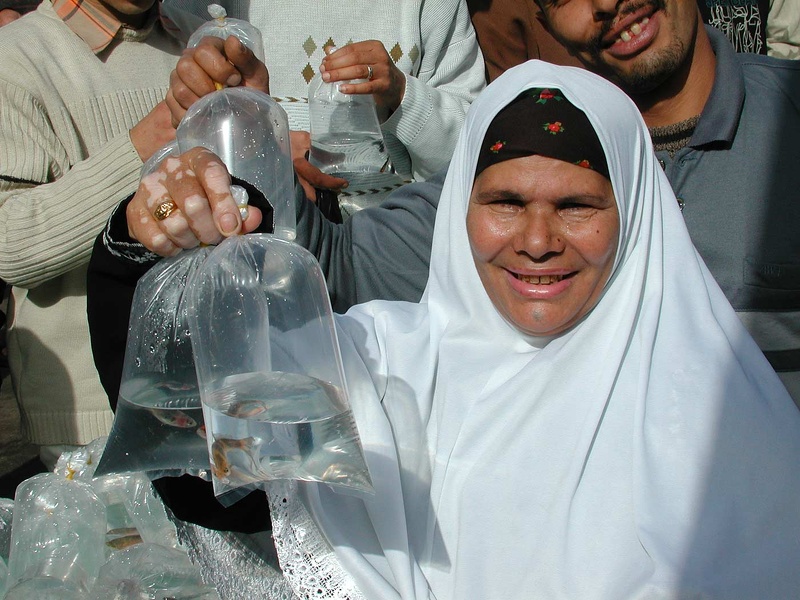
x=629, y=22
x=628, y=34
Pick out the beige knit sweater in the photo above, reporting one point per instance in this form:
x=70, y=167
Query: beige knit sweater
x=66, y=160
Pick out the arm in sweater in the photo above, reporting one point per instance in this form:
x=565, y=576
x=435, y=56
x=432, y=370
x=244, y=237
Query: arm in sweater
x=783, y=29
x=50, y=210
x=450, y=76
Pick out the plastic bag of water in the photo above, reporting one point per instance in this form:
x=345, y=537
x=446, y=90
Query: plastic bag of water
x=269, y=368
x=158, y=424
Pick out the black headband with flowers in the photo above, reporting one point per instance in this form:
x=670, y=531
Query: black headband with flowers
x=542, y=121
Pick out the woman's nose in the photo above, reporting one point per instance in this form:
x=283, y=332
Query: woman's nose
x=540, y=236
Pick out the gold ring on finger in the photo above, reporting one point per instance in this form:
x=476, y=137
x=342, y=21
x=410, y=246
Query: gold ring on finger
x=164, y=210
x=370, y=74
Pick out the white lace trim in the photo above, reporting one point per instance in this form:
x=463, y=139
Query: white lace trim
x=236, y=566
x=307, y=560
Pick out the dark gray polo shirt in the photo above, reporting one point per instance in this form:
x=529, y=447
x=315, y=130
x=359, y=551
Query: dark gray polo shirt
x=739, y=180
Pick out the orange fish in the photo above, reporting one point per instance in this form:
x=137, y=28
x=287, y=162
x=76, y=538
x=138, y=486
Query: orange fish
x=221, y=465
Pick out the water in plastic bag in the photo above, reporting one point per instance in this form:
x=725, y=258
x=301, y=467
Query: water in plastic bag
x=158, y=424
x=270, y=373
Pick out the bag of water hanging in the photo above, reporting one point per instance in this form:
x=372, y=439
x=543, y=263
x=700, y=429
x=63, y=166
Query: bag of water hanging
x=158, y=424
x=269, y=369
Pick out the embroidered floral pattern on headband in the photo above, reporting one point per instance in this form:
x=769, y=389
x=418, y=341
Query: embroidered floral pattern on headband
x=584, y=163
x=496, y=147
x=545, y=95
x=554, y=128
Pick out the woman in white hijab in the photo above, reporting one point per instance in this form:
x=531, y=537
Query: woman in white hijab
x=573, y=410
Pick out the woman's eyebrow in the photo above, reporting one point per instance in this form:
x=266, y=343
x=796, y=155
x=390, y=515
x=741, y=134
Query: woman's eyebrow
x=498, y=194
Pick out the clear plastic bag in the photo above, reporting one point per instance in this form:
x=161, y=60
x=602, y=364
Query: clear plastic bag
x=347, y=141
x=223, y=27
x=158, y=426
x=269, y=368
x=56, y=537
x=250, y=133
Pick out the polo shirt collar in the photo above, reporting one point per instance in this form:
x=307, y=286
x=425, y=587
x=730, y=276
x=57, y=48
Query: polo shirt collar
x=93, y=25
x=720, y=117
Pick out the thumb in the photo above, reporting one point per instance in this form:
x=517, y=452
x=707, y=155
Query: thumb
x=254, y=72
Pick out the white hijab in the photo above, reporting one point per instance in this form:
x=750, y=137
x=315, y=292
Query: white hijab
x=648, y=452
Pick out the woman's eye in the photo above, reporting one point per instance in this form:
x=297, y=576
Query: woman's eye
x=507, y=202
x=575, y=206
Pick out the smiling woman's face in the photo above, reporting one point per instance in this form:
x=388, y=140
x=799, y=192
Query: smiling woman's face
x=543, y=234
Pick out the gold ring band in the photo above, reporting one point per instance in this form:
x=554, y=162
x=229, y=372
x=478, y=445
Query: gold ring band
x=164, y=210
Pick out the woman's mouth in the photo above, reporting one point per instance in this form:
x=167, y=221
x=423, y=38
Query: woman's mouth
x=539, y=279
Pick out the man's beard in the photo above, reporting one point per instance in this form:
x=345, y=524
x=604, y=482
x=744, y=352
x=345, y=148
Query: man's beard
x=648, y=73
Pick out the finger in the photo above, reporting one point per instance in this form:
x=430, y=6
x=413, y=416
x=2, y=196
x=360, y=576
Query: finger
x=300, y=143
x=176, y=111
x=143, y=227
x=316, y=178
x=360, y=53
x=253, y=72
x=359, y=71
x=187, y=84
x=216, y=182
x=168, y=189
x=253, y=219
x=190, y=80
x=192, y=221
x=210, y=56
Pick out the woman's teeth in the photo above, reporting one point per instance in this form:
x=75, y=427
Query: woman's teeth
x=540, y=279
x=634, y=30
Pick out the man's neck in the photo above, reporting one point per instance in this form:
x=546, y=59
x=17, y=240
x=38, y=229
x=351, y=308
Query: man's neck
x=684, y=95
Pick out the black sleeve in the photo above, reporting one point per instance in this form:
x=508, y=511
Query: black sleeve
x=110, y=284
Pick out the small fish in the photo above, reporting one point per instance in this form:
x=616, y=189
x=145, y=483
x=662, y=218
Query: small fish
x=221, y=465
x=174, y=418
x=201, y=431
x=174, y=386
x=126, y=541
x=248, y=409
x=123, y=531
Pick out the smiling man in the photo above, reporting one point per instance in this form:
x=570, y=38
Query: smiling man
x=725, y=127
x=80, y=86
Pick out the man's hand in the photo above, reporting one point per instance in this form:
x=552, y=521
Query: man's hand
x=357, y=61
x=213, y=61
x=196, y=186
x=308, y=175
x=153, y=132
x=7, y=15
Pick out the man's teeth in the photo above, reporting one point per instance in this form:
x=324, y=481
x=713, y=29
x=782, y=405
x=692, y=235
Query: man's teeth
x=541, y=279
x=635, y=29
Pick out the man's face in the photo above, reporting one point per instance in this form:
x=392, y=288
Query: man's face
x=638, y=44
x=131, y=12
